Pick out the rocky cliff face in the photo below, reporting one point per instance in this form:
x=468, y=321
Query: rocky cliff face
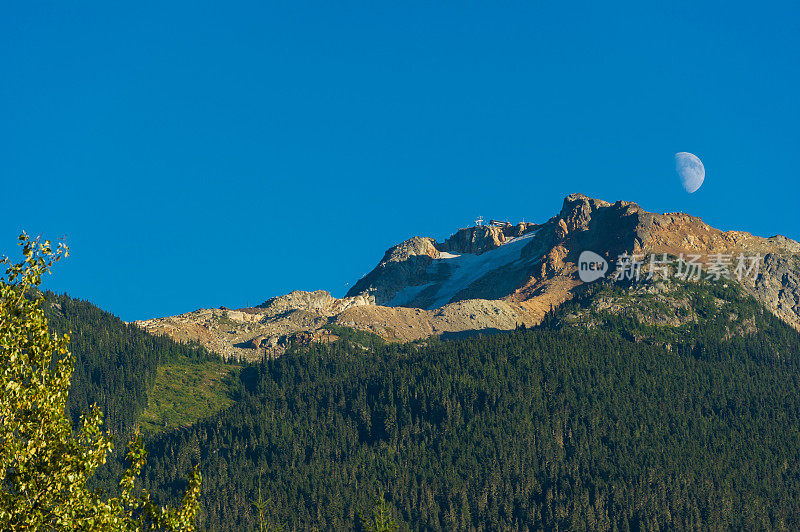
x=489, y=278
x=778, y=287
x=535, y=266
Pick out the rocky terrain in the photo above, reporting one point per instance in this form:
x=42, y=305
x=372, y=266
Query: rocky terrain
x=487, y=278
x=664, y=306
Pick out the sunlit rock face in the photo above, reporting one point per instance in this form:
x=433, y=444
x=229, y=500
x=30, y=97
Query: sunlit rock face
x=493, y=277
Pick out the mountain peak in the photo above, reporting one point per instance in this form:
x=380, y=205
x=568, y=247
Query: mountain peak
x=493, y=276
x=536, y=264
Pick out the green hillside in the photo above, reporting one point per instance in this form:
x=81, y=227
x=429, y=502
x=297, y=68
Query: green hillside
x=624, y=425
x=116, y=364
x=187, y=391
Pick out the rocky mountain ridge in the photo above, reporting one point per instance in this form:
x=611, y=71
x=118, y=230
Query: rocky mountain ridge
x=488, y=278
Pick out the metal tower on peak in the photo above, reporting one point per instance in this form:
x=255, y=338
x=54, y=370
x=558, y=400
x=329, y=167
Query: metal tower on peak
x=479, y=221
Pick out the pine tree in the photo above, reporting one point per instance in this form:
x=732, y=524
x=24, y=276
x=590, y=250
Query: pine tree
x=381, y=517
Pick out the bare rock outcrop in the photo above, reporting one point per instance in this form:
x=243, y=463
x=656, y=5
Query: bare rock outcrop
x=474, y=240
x=402, y=265
x=298, y=299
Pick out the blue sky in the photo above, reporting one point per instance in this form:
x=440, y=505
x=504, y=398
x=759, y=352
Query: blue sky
x=201, y=154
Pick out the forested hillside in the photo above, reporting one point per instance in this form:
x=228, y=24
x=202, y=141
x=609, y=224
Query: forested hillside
x=623, y=425
x=115, y=362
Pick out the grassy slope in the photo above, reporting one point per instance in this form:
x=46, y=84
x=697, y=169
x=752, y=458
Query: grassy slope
x=187, y=391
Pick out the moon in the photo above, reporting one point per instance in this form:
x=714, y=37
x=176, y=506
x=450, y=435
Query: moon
x=691, y=171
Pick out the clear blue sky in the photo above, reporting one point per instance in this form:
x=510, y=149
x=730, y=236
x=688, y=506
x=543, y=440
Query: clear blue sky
x=201, y=154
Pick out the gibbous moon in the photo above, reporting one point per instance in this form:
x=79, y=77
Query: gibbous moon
x=690, y=170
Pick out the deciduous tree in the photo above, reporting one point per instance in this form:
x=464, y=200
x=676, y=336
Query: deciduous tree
x=44, y=464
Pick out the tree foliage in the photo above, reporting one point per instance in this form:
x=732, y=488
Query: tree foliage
x=381, y=519
x=44, y=464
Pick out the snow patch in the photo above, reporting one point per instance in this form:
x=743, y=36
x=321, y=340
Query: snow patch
x=468, y=268
x=446, y=255
x=407, y=295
